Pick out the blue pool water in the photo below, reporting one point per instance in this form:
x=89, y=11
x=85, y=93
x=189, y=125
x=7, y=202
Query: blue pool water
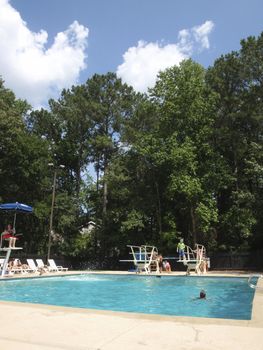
x=226, y=297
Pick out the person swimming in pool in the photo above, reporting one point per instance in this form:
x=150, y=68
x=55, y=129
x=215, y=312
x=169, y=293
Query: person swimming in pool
x=202, y=294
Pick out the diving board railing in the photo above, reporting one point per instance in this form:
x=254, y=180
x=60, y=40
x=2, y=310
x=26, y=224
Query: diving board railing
x=145, y=258
x=189, y=254
x=195, y=259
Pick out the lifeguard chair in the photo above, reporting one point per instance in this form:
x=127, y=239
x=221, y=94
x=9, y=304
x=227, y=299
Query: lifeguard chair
x=16, y=208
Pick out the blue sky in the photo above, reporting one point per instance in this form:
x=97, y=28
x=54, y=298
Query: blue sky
x=49, y=44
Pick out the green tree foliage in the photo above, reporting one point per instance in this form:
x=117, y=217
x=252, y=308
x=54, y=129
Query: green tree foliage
x=22, y=169
x=111, y=103
x=186, y=109
x=185, y=160
x=237, y=80
x=66, y=127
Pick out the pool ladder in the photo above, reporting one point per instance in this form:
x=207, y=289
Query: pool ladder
x=254, y=286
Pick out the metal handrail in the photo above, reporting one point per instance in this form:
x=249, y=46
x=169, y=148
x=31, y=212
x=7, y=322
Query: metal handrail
x=251, y=285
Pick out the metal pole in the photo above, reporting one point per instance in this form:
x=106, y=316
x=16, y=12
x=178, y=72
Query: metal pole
x=14, y=224
x=51, y=214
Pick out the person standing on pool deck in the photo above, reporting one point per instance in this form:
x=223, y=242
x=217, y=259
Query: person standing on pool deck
x=160, y=262
x=180, y=249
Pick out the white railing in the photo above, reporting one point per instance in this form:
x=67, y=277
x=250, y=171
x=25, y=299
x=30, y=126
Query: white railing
x=144, y=256
x=189, y=253
x=195, y=259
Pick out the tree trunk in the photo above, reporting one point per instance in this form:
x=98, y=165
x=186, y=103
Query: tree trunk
x=97, y=179
x=78, y=178
x=193, y=224
x=158, y=211
x=105, y=191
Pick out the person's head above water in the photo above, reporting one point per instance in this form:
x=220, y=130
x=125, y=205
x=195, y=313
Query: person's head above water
x=202, y=294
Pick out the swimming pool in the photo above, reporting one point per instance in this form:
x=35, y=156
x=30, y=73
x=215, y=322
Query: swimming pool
x=227, y=297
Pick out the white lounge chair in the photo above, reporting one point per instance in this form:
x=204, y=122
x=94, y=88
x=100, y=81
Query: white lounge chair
x=15, y=268
x=32, y=265
x=7, y=271
x=41, y=265
x=54, y=267
x=2, y=265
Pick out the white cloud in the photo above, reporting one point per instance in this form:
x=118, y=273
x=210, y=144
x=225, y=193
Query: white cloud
x=201, y=34
x=31, y=70
x=142, y=63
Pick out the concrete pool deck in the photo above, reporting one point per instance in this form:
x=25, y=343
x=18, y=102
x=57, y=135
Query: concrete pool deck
x=32, y=326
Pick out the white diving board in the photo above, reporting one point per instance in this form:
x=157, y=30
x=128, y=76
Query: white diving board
x=145, y=258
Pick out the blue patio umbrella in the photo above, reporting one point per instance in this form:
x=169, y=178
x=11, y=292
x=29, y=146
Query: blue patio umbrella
x=16, y=208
